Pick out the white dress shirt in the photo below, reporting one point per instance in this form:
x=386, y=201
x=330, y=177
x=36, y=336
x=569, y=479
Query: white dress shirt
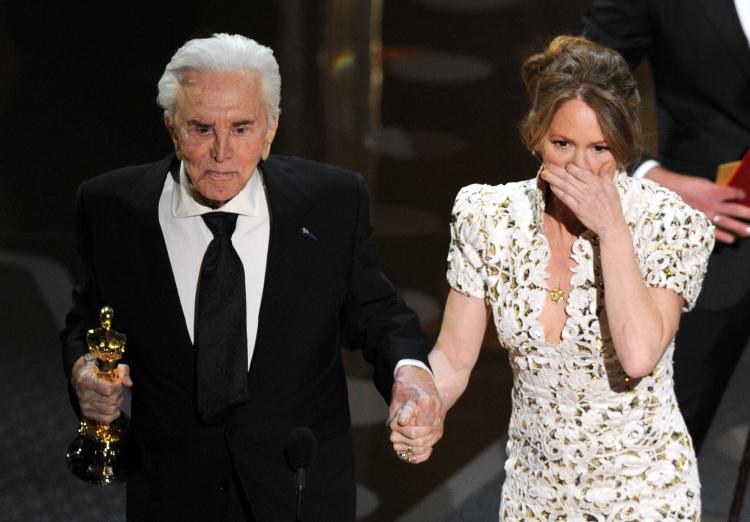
x=187, y=237
x=743, y=12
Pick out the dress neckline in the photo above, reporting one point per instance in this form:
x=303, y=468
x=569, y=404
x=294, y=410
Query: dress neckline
x=579, y=250
x=572, y=280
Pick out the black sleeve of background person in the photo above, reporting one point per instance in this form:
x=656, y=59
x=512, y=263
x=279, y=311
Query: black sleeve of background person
x=624, y=25
x=86, y=302
x=375, y=318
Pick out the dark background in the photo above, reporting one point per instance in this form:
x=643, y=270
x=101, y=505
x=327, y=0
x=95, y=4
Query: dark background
x=78, y=94
x=77, y=98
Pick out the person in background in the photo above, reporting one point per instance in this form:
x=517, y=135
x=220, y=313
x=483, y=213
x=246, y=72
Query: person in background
x=700, y=60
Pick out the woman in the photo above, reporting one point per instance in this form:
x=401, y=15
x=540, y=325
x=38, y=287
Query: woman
x=584, y=272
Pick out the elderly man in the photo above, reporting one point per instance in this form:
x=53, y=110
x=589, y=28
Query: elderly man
x=237, y=276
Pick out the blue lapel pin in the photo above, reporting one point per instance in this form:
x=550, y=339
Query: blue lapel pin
x=307, y=232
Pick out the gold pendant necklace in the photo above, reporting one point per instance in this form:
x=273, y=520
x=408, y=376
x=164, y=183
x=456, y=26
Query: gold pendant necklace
x=556, y=295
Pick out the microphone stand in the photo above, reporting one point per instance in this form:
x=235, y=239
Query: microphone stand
x=300, y=452
x=300, y=488
x=741, y=487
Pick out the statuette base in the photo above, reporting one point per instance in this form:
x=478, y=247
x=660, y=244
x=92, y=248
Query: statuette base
x=98, y=460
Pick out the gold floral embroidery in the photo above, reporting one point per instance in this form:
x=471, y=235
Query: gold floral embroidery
x=585, y=443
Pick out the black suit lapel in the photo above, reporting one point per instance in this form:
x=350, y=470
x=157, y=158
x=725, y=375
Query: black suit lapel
x=155, y=269
x=287, y=204
x=723, y=16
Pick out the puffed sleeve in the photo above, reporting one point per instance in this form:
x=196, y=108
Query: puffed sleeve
x=467, y=271
x=675, y=243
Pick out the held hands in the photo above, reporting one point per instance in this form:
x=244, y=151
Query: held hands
x=100, y=398
x=416, y=414
x=718, y=203
x=592, y=197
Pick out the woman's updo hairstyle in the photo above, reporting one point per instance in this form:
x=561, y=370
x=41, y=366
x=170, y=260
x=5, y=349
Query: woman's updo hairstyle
x=573, y=67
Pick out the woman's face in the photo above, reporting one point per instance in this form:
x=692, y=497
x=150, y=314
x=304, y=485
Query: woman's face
x=574, y=136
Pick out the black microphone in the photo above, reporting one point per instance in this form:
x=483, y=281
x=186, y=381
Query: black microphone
x=300, y=452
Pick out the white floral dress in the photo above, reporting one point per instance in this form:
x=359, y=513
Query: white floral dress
x=586, y=443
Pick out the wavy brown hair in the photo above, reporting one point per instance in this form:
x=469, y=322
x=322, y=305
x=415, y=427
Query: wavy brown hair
x=573, y=67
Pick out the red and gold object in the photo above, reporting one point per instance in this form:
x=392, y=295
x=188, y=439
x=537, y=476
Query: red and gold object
x=736, y=174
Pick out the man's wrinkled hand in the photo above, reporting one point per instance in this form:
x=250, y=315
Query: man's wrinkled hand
x=416, y=414
x=99, y=398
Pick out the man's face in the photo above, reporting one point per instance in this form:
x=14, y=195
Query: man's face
x=220, y=131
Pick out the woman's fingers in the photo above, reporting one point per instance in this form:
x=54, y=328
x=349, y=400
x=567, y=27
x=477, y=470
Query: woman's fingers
x=563, y=181
x=397, y=438
x=580, y=174
x=412, y=454
x=553, y=179
x=568, y=200
x=413, y=443
x=416, y=450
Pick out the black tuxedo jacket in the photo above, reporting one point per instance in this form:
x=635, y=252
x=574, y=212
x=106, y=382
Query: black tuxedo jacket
x=320, y=294
x=700, y=60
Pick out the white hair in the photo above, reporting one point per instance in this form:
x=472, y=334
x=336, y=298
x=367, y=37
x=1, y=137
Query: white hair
x=222, y=52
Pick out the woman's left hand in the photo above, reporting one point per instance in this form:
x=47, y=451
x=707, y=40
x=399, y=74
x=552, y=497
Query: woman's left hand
x=412, y=444
x=593, y=198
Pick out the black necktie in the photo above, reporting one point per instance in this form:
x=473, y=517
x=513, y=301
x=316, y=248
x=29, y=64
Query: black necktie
x=220, y=327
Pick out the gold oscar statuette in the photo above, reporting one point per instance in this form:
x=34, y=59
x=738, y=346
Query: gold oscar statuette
x=95, y=455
